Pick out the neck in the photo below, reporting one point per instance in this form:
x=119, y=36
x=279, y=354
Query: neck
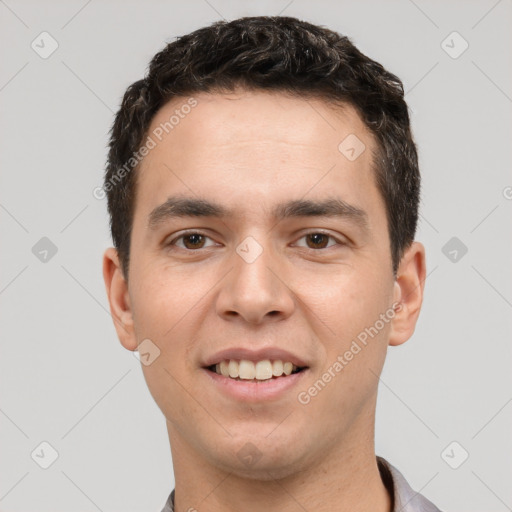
x=344, y=479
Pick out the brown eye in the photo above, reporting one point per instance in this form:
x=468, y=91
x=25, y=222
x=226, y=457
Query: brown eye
x=319, y=240
x=190, y=241
x=195, y=241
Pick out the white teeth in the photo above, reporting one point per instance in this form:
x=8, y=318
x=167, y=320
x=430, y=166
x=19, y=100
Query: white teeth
x=248, y=370
x=233, y=369
x=263, y=370
x=223, y=369
x=277, y=368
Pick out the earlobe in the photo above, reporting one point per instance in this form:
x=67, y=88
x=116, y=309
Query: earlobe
x=119, y=299
x=408, y=293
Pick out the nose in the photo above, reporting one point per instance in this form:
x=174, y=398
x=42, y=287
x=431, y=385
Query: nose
x=255, y=290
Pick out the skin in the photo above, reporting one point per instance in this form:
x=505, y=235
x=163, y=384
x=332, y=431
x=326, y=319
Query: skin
x=250, y=150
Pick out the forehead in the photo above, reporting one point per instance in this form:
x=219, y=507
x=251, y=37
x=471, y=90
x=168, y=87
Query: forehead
x=255, y=144
x=247, y=116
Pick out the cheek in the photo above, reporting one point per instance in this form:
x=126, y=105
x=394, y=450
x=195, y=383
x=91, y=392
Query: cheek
x=169, y=309
x=347, y=302
x=164, y=298
x=354, y=335
x=164, y=313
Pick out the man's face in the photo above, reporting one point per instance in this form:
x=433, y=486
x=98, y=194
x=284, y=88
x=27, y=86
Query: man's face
x=257, y=287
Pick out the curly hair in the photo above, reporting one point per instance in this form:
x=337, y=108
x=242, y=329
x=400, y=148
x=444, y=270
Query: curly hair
x=270, y=53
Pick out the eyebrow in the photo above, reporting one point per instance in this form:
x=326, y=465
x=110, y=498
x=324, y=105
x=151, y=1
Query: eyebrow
x=178, y=206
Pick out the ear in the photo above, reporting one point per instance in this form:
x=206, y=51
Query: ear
x=408, y=293
x=119, y=299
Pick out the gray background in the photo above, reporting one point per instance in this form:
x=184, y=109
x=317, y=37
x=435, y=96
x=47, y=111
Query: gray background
x=66, y=380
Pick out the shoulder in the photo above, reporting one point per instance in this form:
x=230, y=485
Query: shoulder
x=169, y=504
x=405, y=499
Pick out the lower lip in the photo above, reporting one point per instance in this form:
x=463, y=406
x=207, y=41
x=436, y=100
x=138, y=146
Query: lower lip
x=256, y=391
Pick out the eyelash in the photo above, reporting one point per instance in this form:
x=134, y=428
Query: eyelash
x=188, y=233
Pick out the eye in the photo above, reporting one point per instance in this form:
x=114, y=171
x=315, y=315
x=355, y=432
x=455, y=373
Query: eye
x=320, y=240
x=191, y=240
x=194, y=240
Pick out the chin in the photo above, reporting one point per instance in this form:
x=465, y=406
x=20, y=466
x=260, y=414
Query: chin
x=260, y=459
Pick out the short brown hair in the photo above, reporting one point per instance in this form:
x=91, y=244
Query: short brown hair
x=271, y=53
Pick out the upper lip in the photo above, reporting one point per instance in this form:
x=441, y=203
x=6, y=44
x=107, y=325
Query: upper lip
x=240, y=353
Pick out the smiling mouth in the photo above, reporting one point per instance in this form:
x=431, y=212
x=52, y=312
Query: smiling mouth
x=250, y=371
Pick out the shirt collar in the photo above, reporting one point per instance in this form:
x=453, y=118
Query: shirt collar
x=403, y=497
